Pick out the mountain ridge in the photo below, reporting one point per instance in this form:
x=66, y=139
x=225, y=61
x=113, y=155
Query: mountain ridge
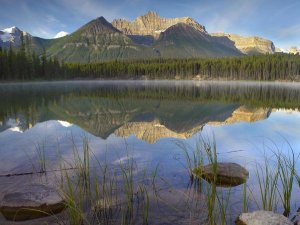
x=152, y=24
x=147, y=36
x=97, y=40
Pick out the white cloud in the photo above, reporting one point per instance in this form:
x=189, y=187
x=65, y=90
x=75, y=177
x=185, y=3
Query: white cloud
x=61, y=34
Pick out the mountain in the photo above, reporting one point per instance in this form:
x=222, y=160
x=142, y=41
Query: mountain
x=294, y=50
x=248, y=45
x=98, y=40
x=183, y=40
x=147, y=28
x=148, y=36
x=12, y=37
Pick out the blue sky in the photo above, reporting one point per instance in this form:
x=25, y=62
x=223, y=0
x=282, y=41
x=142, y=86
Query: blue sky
x=277, y=20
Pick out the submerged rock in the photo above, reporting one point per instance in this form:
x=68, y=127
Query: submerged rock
x=33, y=201
x=227, y=174
x=262, y=218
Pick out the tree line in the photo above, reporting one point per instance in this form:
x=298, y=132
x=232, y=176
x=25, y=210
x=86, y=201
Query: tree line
x=26, y=65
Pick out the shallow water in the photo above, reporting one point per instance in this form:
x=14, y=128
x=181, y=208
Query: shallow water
x=147, y=120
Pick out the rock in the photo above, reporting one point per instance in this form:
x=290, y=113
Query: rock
x=245, y=114
x=33, y=201
x=152, y=131
x=152, y=24
x=294, y=50
x=228, y=174
x=262, y=218
x=247, y=45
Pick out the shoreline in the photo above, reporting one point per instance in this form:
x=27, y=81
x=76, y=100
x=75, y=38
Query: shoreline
x=150, y=80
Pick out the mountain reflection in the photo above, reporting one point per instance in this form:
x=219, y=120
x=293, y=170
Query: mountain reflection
x=148, y=110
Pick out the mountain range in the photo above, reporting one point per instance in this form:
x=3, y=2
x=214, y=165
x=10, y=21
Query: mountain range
x=148, y=36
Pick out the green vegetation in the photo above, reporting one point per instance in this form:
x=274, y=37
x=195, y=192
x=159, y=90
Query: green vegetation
x=184, y=41
x=271, y=188
x=24, y=65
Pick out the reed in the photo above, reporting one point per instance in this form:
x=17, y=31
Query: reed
x=193, y=156
x=41, y=156
x=74, y=199
x=127, y=170
x=267, y=178
x=245, y=198
x=286, y=164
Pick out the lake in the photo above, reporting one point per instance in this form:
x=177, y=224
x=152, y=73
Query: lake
x=146, y=136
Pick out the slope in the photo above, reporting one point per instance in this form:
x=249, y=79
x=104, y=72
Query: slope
x=184, y=41
x=98, y=40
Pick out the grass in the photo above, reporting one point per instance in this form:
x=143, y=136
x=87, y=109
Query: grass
x=286, y=174
x=245, y=198
x=74, y=199
x=267, y=179
x=41, y=156
x=110, y=195
x=193, y=156
x=275, y=178
x=115, y=194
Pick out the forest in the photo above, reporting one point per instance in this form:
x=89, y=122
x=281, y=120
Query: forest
x=23, y=65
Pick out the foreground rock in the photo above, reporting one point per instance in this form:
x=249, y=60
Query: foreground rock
x=227, y=174
x=33, y=201
x=262, y=218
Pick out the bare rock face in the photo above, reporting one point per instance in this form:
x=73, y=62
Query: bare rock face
x=246, y=114
x=262, y=218
x=33, y=201
x=294, y=50
x=247, y=45
x=150, y=132
x=227, y=174
x=152, y=24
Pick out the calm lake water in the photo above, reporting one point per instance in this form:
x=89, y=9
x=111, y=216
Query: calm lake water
x=149, y=122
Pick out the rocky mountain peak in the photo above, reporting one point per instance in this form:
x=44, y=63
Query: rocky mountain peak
x=99, y=25
x=151, y=14
x=152, y=24
x=12, y=30
x=11, y=36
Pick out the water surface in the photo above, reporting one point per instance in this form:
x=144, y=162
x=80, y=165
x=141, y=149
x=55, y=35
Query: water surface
x=149, y=121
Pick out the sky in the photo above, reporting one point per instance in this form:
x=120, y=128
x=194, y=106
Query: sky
x=276, y=20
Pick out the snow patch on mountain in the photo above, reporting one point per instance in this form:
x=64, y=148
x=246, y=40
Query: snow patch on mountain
x=5, y=37
x=10, y=30
x=61, y=34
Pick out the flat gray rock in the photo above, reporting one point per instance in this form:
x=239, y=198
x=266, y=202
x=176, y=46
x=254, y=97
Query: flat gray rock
x=227, y=174
x=262, y=218
x=33, y=201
